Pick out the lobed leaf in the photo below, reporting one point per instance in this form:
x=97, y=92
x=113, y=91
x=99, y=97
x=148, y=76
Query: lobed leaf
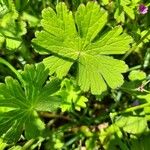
x=25, y=100
x=71, y=96
x=84, y=45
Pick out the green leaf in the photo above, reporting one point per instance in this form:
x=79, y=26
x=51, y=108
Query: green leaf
x=125, y=7
x=2, y=144
x=34, y=126
x=20, y=5
x=71, y=95
x=25, y=100
x=11, y=26
x=137, y=75
x=129, y=11
x=58, y=65
x=119, y=15
x=111, y=138
x=105, y=2
x=16, y=148
x=132, y=124
x=90, y=20
x=91, y=143
x=78, y=39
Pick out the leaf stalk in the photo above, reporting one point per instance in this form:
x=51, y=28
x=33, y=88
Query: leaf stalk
x=6, y=63
x=131, y=109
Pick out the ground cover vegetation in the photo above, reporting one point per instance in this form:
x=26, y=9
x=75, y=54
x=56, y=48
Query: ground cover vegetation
x=74, y=75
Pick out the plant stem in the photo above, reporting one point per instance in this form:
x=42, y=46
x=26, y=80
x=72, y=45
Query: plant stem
x=131, y=109
x=134, y=68
x=135, y=46
x=6, y=63
x=50, y=115
x=28, y=144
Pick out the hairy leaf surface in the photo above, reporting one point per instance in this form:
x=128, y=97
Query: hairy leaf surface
x=78, y=39
x=24, y=103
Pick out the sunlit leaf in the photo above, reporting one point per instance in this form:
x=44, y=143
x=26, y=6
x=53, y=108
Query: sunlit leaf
x=25, y=101
x=74, y=39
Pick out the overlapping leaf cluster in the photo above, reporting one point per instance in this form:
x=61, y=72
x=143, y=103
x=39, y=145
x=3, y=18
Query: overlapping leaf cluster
x=11, y=26
x=79, y=45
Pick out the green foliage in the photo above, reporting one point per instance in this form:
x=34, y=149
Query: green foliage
x=95, y=70
x=142, y=143
x=11, y=26
x=21, y=5
x=125, y=7
x=132, y=124
x=2, y=144
x=87, y=85
x=24, y=103
x=111, y=137
x=71, y=96
x=137, y=75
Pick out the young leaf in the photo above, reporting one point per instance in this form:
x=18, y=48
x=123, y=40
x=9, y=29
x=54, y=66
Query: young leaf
x=71, y=95
x=25, y=101
x=74, y=39
x=137, y=75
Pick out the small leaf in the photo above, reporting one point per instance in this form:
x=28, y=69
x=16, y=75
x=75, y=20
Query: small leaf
x=137, y=75
x=71, y=95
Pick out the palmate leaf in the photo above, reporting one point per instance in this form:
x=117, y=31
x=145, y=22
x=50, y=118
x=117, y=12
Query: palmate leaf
x=24, y=103
x=71, y=95
x=11, y=26
x=75, y=39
